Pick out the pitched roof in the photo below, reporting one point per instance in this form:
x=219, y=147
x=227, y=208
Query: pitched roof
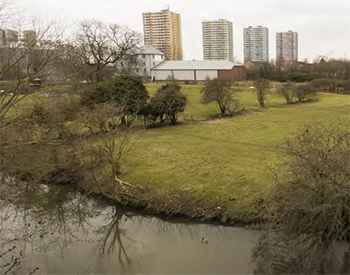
x=148, y=49
x=196, y=65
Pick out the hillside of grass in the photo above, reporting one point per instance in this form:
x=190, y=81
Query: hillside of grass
x=226, y=162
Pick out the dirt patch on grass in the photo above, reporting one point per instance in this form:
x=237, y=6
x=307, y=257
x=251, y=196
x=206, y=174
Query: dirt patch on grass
x=214, y=121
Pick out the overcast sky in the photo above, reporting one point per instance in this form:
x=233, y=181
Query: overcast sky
x=323, y=25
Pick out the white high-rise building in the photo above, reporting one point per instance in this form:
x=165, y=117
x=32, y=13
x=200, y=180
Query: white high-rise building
x=162, y=30
x=217, y=40
x=287, y=46
x=256, y=44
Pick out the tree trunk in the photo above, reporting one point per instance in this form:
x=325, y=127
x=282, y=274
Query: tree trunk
x=144, y=122
x=223, y=110
x=262, y=103
x=123, y=120
x=173, y=120
x=98, y=74
x=98, y=77
x=162, y=119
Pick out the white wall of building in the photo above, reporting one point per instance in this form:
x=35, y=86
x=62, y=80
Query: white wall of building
x=161, y=75
x=147, y=62
x=202, y=75
x=158, y=58
x=183, y=75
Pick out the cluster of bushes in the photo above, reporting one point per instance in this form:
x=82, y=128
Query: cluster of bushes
x=131, y=100
x=301, y=92
x=306, y=214
x=271, y=72
x=299, y=71
x=331, y=85
x=165, y=105
x=306, y=91
x=300, y=77
x=293, y=77
x=292, y=92
x=127, y=92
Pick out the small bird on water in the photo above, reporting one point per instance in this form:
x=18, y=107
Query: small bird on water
x=204, y=240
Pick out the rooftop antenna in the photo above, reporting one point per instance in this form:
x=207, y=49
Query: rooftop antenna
x=167, y=7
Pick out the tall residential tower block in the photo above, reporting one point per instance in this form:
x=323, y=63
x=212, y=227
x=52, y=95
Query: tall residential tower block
x=162, y=30
x=287, y=46
x=217, y=40
x=256, y=44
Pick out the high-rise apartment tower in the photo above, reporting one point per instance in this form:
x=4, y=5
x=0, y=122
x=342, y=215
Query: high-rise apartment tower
x=217, y=40
x=287, y=46
x=162, y=30
x=256, y=44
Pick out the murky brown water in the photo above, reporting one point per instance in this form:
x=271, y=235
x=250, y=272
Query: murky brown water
x=62, y=232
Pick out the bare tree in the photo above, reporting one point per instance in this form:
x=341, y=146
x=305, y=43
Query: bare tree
x=307, y=212
x=102, y=46
x=304, y=92
x=111, y=150
x=45, y=143
x=286, y=90
x=23, y=60
x=261, y=88
x=220, y=92
x=70, y=67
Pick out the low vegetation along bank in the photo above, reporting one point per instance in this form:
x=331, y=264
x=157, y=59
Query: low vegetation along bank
x=207, y=166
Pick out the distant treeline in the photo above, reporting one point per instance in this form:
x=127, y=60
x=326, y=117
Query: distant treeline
x=300, y=71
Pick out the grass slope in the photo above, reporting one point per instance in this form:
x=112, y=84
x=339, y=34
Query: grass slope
x=225, y=162
x=222, y=162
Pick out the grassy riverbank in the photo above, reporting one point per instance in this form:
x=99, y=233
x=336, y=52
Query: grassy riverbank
x=226, y=162
x=211, y=167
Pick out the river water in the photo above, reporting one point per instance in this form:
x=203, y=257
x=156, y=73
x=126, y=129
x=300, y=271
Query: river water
x=60, y=231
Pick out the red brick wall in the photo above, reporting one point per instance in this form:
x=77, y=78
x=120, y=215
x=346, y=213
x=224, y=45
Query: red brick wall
x=235, y=74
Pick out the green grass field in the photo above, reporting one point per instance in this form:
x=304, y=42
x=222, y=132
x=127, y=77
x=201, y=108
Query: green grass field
x=226, y=162
x=223, y=162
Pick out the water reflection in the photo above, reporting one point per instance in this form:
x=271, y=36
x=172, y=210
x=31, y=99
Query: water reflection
x=61, y=231
x=112, y=236
x=41, y=216
x=276, y=253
